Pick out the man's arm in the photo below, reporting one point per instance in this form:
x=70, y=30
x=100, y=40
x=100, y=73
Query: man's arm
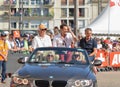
x=4, y=56
x=94, y=48
x=34, y=43
x=94, y=52
x=73, y=35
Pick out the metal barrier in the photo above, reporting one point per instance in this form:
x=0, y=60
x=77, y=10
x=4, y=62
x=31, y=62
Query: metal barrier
x=110, y=60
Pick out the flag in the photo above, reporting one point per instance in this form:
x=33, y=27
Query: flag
x=11, y=1
x=112, y=3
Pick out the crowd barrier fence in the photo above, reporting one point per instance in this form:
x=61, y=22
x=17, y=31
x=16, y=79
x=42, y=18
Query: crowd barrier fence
x=110, y=60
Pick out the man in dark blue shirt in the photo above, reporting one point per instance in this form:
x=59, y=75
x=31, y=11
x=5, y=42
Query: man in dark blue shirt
x=89, y=44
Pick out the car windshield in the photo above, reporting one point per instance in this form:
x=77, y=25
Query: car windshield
x=59, y=56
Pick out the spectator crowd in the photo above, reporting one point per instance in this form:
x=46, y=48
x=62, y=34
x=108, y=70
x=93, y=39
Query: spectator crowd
x=23, y=44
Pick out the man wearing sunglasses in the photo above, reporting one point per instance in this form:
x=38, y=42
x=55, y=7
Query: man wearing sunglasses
x=42, y=39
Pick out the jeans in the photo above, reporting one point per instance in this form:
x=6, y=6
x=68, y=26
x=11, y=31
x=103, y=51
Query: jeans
x=3, y=74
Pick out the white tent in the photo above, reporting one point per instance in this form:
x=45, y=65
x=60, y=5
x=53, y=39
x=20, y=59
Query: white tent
x=108, y=22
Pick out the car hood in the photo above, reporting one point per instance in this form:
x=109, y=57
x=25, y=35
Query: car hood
x=55, y=71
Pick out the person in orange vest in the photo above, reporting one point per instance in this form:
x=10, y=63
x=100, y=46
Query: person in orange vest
x=3, y=56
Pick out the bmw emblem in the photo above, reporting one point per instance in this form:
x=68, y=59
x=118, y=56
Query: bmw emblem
x=51, y=77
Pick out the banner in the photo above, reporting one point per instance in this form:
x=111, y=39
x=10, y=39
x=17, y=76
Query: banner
x=103, y=56
x=115, y=59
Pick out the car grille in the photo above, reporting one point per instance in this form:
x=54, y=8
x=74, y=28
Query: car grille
x=45, y=83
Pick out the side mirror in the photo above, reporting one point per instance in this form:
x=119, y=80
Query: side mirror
x=97, y=62
x=22, y=60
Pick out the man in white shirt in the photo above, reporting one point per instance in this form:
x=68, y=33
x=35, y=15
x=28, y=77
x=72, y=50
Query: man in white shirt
x=66, y=37
x=42, y=39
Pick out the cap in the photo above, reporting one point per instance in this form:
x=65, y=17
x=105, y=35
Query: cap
x=3, y=34
x=23, y=35
x=6, y=32
x=42, y=26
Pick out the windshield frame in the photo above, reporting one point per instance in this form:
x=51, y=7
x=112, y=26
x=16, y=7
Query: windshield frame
x=59, y=49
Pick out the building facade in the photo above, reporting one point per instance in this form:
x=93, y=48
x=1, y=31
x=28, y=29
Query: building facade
x=25, y=14
x=28, y=14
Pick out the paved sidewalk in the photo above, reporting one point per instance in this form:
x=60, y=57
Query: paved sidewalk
x=7, y=84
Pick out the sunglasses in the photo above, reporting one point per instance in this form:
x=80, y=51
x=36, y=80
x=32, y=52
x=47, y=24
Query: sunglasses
x=76, y=55
x=50, y=55
x=43, y=29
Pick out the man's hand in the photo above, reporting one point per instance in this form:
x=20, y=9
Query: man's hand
x=69, y=29
x=73, y=35
x=5, y=59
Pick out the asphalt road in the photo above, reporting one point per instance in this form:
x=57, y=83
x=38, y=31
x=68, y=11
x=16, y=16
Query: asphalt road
x=105, y=79
x=108, y=79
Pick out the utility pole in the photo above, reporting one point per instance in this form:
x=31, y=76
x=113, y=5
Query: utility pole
x=75, y=17
x=21, y=15
x=9, y=16
x=99, y=6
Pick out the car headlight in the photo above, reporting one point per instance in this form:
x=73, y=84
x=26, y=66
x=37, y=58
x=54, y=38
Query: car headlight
x=20, y=80
x=83, y=83
x=25, y=81
x=77, y=83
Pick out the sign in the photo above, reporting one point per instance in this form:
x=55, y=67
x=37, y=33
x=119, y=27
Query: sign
x=103, y=56
x=115, y=59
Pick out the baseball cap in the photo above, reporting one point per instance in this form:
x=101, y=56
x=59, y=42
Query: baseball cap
x=3, y=34
x=23, y=35
x=42, y=26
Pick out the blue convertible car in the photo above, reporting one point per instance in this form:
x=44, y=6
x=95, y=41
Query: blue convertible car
x=56, y=67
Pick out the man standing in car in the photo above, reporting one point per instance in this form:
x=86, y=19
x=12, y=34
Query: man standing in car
x=42, y=39
x=89, y=44
x=66, y=38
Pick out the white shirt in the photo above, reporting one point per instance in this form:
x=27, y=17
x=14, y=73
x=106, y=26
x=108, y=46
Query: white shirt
x=99, y=46
x=58, y=41
x=41, y=41
x=11, y=44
